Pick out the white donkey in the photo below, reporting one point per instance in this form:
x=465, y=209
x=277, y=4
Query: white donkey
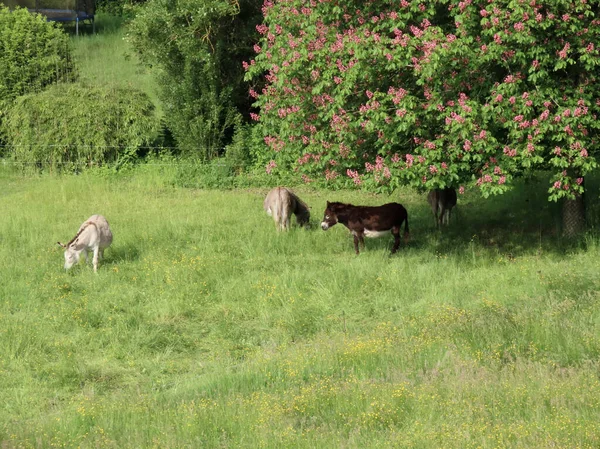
x=93, y=235
x=281, y=203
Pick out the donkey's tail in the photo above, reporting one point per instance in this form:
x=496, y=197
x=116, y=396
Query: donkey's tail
x=406, y=234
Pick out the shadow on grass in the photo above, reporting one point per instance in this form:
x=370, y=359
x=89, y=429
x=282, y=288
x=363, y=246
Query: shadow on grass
x=520, y=222
x=122, y=253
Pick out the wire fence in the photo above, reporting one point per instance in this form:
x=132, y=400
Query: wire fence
x=156, y=155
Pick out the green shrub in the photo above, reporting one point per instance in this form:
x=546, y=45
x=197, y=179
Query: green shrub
x=223, y=173
x=72, y=124
x=198, y=47
x=33, y=54
x=238, y=153
x=120, y=8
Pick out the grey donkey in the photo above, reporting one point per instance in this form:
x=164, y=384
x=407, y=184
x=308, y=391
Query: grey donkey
x=93, y=235
x=281, y=203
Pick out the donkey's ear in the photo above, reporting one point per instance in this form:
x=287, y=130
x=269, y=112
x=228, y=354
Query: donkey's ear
x=60, y=244
x=327, y=203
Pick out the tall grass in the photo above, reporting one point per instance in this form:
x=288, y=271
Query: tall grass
x=204, y=327
x=107, y=58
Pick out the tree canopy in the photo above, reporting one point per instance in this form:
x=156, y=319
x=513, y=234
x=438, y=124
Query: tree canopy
x=429, y=94
x=34, y=54
x=197, y=45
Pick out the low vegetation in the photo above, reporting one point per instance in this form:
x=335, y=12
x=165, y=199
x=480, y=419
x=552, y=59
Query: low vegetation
x=204, y=327
x=71, y=125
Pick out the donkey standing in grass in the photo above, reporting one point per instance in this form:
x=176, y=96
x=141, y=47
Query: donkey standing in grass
x=93, y=235
x=442, y=201
x=370, y=221
x=281, y=203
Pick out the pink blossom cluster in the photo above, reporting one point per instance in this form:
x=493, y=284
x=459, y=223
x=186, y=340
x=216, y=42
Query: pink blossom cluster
x=338, y=123
x=454, y=117
x=462, y=101
x=355, y=176
x=330, y=174
x=400, y=38
x=562, y=54
x=323, y=100
x=274, y=142
x=397, y=94
x=344, y=150
x=270, y=166
x=283, y=112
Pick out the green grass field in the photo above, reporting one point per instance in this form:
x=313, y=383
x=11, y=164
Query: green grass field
x=204, y=327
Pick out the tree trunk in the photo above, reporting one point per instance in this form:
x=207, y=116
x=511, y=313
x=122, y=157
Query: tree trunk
x=573, y=216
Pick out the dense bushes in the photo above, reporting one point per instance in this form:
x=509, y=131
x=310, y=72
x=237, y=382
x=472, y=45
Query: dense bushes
x=33, y=54
x=74, y=124
x=198, y=46
x=120, y=8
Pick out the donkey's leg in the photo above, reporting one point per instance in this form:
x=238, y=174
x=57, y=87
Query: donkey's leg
x=356, y=240
x=277, y=219
x=95, y=260
x=447, y=217
x=441, y=213
x=285, y=219
x=396, y=234
x=434, y=210
x=288, y=220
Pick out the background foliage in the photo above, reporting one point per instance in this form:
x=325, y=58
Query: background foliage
x=443, y=93
x=197, y=48
x=120, y=8
x=76, y=124
x=33, y=54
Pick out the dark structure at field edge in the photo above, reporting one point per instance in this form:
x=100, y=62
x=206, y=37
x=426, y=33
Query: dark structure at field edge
x=59, y=10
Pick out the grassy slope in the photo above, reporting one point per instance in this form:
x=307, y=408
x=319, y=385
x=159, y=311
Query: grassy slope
x=204, y=328
x=106, y=58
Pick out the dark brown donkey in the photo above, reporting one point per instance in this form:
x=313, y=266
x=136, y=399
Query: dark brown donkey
x=442, y=201
x=370, y=221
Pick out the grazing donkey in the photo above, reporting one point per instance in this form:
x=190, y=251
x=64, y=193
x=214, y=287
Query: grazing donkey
x=368, y=221
x=281, y=203
x=442, y=201
x=93, y=235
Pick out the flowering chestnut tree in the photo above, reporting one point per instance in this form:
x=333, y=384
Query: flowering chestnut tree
x=430, y=94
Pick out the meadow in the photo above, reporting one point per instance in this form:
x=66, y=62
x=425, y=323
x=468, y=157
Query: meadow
x=204, y=327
